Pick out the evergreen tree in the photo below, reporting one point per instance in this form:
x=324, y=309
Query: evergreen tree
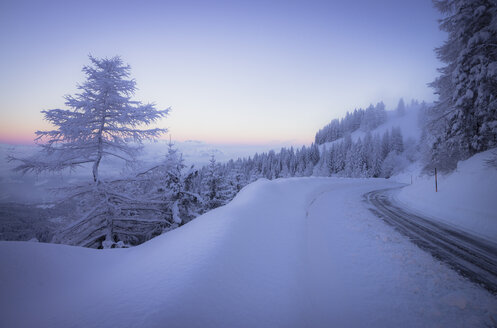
x=180, y=204
x=401, y=108
x=376, y=158
x=385, y=144
x=236, y=178
x=217, y=191
x=381, y=113
x=371, y=119
x=322, y=167
x=464, y=119
x=396, y=140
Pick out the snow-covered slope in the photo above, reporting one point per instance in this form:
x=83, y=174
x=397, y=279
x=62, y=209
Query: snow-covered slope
x=301, y=252
x=408, y=124
x=466, y=198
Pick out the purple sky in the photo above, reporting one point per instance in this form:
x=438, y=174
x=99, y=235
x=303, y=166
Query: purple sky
x=234, y=72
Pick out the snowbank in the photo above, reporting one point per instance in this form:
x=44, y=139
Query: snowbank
x=466, y=198
x=236, y=266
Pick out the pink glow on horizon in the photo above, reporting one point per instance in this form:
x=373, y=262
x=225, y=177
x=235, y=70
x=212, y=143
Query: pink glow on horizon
x=245, y=141
x=18, y=139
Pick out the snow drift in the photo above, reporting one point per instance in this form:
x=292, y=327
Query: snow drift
x=466, y=198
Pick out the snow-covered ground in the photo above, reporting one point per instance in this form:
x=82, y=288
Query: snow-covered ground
x=301, y=252
x=466, y=198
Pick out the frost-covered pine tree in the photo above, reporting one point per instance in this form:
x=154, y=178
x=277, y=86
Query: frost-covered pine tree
x=386, y=144
x=356, y=165
x=323, y=166
x=381, y=113
x=369, y=121
x=103, y=121
x=401, y=108
x=332, y=159
x=236, y=179
x=216, y=190
x=376, y=158
x=464, y=119
x=172, y=189
x=171, y=183
x=396, y=140
x=314, y=154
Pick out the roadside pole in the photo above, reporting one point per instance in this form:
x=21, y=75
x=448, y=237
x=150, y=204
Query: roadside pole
x=436, y=182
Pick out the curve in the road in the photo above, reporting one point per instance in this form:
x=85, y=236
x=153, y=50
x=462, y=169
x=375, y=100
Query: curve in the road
x=473, y=257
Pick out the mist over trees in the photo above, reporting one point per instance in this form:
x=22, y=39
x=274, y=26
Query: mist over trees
x=373, y=156
x=364, y=119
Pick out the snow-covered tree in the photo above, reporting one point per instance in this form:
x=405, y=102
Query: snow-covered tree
x=323, y=166
x=366, y=119
x=386, y=145
x=463, y=120
x=103, y=122
x=217, y=191
x=411, y=149
x=180, y=202
x=375, y=158
x=381, y=113
x=356, y=165
x=401, y=108
x=236, y=178
x=314, y=154
x=396, y=140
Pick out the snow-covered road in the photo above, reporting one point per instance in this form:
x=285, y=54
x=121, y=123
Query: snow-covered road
x=303, y=252
x=472, y=256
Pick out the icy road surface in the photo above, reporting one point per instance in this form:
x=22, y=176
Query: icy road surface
x=303, y=252
x=472, y=256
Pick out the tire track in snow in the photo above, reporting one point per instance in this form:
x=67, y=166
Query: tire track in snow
x=314, y=199
x=471, y=256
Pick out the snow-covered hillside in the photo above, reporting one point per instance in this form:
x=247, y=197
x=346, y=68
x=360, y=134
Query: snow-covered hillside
x=408, y=124
x=300, y=252
x=466, y=197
